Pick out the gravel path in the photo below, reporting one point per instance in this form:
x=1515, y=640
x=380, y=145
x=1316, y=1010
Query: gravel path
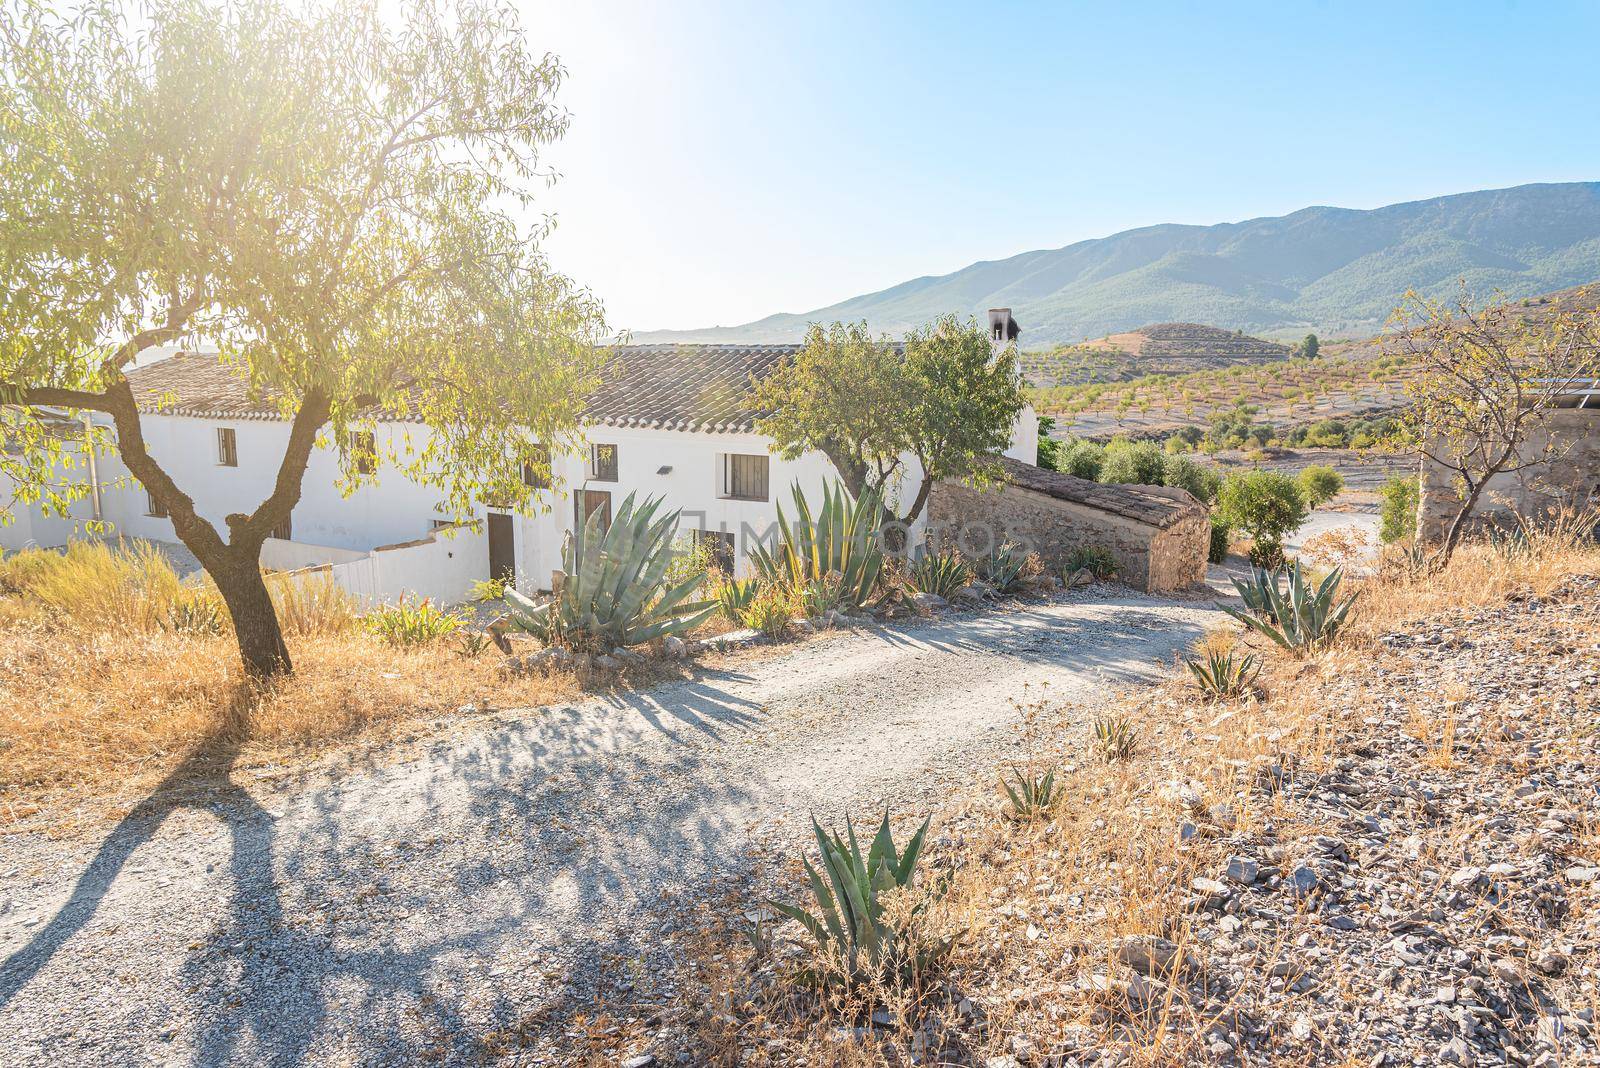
x=408, y=911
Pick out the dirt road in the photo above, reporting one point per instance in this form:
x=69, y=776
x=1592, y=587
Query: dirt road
x=405, y=910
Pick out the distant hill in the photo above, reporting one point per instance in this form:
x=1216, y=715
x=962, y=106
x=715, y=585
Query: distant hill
x=1161, y=348
x=1336, y=271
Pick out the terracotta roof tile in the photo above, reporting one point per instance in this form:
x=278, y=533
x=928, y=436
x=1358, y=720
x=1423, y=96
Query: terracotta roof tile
x=667, y=387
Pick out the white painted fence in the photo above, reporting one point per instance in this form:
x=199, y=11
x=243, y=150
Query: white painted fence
x=440, y=567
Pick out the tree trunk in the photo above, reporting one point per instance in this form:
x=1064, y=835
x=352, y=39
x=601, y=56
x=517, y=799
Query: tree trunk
x=255, y=621
x=1458, y=526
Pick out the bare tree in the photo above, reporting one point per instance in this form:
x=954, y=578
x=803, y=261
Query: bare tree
x=1483, y=379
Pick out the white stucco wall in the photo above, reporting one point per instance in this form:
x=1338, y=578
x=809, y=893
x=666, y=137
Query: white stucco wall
x=684, y=469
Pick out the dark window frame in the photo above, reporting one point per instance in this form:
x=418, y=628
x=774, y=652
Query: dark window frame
x=746, y=476
x=284, y=531
x=154, y=508
x=530, y=477
x=227, y=447
x=724, y=554
x=603, y=463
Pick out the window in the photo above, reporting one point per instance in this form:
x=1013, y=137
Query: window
x=227, y=447
x=603, y=463
x=744, y=478
x=154, y=507
x=364, y=449
x=284, y=531
x=536, y=472
x=718, y=546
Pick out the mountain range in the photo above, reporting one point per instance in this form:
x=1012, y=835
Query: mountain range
x=1336, y=271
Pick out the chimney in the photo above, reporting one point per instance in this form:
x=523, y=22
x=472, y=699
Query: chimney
x=1002, y=328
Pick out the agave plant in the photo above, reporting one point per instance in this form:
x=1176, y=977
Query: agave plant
x=1003, y=567
x=614, y=591
x=734, y=596
x=862, y=934
x=941, y=574
x=1032, y=795
x=841, y=540
x=1115, y=738
x=1300, y=616
x=1224, y=674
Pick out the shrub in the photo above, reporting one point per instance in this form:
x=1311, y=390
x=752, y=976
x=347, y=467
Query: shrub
x=614, y=590
x=196, y=610
x=863, y=934
x=99, y=584
x=412, y=622
x=1319, y=484
x=1224, y=674
x=841, y=538
x=485, y=590
x=1400, y=496
x=1301, y=618
x=733, y=596
x=473, y=643
x=1083, y=459
x=1097, y=559
x=771, y=612
x=1048, y=454
x=1185, y=474
x=1136, y=463
x=1265, y=505
x=941, y=574
x=1221, y=535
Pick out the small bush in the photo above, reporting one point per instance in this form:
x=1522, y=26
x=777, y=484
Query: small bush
x=1302, y=617
x=1185, y=474
x=1265, y=505
x=112, y=586
x=1134, y=463
x=1319, y=484
x=771, y=612
x=412, y=622
x=822, y=595
x=1004, y=568
x=1083, y=459
x=312, y=605
x=1097, y=559
x=1221, y=535
x=485, y=590
x=196, y=610
x=1401, y=495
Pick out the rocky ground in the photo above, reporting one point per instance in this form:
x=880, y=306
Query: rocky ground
x=1394, y=858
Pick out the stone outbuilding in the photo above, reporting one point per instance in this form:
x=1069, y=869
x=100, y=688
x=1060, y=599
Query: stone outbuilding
x=1158, y=535
x=1563, y=448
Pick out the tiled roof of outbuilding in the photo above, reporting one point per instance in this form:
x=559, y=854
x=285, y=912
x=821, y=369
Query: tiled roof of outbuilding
x=664, y=387
x=1157, y=506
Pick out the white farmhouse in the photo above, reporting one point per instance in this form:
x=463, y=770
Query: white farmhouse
x=667, y=421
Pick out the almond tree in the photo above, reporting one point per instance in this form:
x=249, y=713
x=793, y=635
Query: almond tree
x=334, y=195
x=943, y=399
x=1483, y=379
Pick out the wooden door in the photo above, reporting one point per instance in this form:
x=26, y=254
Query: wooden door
x=592, y=501
x=502, y=548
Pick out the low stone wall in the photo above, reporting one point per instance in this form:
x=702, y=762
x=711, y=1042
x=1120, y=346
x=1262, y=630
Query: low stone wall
x=1570, y=436
x=1149, y=557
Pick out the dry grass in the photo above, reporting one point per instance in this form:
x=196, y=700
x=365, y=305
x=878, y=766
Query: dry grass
x=102, y=695
x=1044, y=903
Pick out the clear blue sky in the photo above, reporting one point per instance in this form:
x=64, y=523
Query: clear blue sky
x=730, y=160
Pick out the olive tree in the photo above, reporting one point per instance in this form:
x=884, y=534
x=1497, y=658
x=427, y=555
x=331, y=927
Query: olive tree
x=335, y=196
x=1482, y=379
x=944, y=399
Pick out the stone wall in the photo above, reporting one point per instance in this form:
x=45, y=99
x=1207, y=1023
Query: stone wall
x=1571, y=436
x=1149, y=557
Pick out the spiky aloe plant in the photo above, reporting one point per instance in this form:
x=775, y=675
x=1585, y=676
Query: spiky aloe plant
x=734, y=596
x=839, y=540
x=1299, y=616
x=1032, y=795
x=1224, y=674
x=614, y=591
x=941, y=574
x=862, y=935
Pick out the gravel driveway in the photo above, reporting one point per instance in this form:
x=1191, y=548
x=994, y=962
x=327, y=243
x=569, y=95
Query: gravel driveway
x=400, y=912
